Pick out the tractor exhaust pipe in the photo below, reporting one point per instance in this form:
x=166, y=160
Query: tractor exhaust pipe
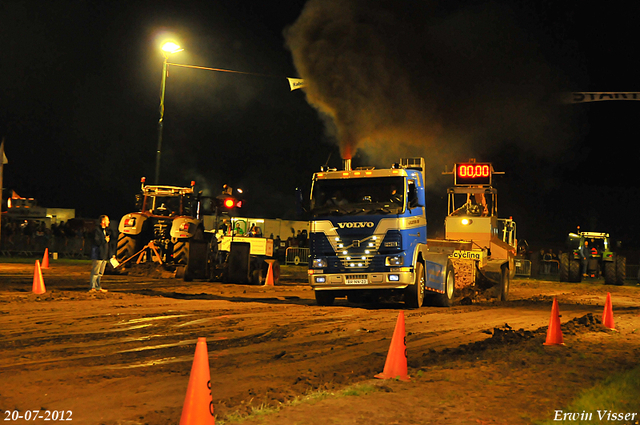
x=347, y=164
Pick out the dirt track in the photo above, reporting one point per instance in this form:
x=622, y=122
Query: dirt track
x=124, y=357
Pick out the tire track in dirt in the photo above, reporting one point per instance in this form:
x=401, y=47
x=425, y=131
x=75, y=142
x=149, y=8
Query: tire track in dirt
x=266, y=345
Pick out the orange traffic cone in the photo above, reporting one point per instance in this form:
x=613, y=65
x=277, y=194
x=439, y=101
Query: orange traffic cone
x=269, y=280
x=554, y=333
x=198, y=404
x=396, y=365
x=45, y=259
x=607, y=314
x=38, y=282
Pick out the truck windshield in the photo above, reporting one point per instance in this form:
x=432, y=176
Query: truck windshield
x=359, y=196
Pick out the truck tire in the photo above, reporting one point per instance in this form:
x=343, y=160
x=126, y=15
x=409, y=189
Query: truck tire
x=127, y=246
x=414, y=294
x=446, y=299
x=325, y=298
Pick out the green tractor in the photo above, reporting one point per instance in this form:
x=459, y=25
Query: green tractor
x=602, y=262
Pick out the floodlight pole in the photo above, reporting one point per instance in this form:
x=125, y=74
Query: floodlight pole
x=161, y=120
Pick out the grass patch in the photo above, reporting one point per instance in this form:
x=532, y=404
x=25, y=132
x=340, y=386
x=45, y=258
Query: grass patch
x=311, y=397
x=619, y=394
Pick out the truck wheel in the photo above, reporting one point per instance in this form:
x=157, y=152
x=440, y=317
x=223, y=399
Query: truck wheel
x=127, y=246
x=621, y=270
x=564, y=267
x=446, y=299
x=414, y=294
x=505, y=283
x=325, y=298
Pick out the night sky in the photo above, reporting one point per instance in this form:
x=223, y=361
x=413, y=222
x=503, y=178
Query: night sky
x=80, y=89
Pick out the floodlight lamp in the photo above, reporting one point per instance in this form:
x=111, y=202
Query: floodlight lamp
x=171, y=47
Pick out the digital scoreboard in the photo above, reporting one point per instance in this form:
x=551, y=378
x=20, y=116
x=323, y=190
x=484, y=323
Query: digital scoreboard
x=473, y=174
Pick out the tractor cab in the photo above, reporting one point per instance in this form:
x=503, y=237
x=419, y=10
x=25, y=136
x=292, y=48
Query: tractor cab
x=596, y=259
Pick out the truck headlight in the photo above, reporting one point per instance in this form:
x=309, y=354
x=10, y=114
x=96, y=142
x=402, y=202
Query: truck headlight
x=319, y=263
x=394, y=260
x=321, y=279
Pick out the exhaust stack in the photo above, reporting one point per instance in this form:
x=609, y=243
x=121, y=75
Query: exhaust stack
x=347, y=164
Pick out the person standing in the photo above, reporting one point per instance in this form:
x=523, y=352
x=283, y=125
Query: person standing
x=102, y=250
x=585, y=255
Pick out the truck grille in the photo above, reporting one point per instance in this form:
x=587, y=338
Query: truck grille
x=356, y=252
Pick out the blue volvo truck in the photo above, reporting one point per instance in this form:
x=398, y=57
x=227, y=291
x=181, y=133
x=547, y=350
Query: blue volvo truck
x=368, y=237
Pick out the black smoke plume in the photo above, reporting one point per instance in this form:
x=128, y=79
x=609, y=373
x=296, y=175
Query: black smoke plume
x=425, y=78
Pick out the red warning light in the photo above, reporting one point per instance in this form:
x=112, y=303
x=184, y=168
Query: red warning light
x=229, y=202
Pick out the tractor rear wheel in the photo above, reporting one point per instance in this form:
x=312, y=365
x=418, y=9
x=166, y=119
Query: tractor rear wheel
x=181, y=257
x=621, y=270
x=609, y=272
x=127, y=246
x=182, y=252
x=504, y=285
x=574, y=271
x=564, y=267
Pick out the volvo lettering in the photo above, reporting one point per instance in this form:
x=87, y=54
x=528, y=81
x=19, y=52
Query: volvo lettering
x=355, y=225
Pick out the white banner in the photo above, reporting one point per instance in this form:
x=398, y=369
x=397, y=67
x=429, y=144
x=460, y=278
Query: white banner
x=296, y=83
x=582, y=97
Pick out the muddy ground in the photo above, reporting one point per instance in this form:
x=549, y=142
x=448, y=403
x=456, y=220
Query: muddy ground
x=124, y=357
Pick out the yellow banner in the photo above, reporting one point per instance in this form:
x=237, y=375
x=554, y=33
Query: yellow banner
x=296, y=83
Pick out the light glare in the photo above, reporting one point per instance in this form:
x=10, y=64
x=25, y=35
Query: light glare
x=170, y=47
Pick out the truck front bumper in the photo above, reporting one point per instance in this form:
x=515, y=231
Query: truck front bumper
x=394, y=279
